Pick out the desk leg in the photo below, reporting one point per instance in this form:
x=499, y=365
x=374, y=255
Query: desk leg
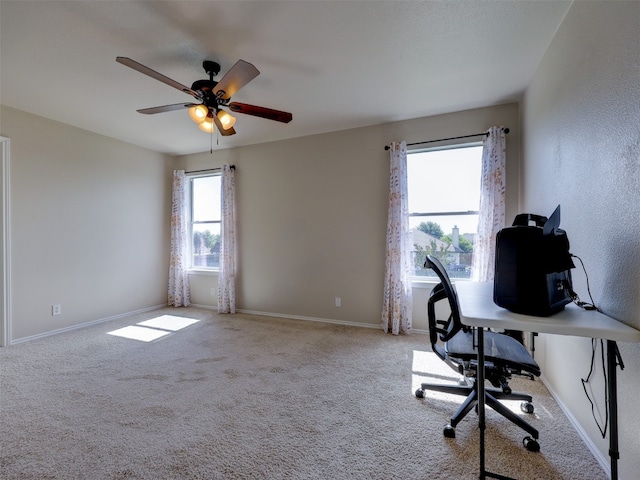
x=612, y=387
x=481, y=408
x=481, y=397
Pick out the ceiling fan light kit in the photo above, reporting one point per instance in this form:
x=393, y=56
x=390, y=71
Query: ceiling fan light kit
x=213, y=95
x=198, y=113
x=206, y=125
x=204, y=118
x=226, y=119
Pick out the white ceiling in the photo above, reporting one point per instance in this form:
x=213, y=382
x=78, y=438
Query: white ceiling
x=334, y=64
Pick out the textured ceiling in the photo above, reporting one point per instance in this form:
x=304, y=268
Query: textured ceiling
x=334, y=64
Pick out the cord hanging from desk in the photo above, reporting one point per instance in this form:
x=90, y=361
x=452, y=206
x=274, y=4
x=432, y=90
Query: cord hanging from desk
x=618, y=357
x=482, y=134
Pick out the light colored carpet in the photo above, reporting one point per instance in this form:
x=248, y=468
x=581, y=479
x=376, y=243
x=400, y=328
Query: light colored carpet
x=249, y=397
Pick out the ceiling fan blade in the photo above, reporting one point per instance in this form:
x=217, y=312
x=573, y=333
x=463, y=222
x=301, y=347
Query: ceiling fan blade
x=158, y=76
x=262, y=112
x=236, y=78
x=223, y=132
x=166, y=108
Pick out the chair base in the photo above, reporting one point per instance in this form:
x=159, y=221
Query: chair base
x=491, y=400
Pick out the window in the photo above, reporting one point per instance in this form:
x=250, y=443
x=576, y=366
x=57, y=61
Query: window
x=444, y=199
x=204, y=221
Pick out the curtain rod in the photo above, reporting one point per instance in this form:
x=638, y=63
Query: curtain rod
x=506, y=130
x=233, y=167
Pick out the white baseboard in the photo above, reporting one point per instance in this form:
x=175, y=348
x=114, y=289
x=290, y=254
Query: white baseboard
x=84, y=325
x=600, y=458
x=206, y=307
x=309, y=319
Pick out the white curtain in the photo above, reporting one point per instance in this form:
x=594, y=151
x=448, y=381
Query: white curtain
x=397, y=303
x=227, y=276
x=178, y=294
x=492, y=200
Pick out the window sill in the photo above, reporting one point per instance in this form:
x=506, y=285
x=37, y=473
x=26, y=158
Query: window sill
x=430, y=282
x=202, y=271
x=424, y=283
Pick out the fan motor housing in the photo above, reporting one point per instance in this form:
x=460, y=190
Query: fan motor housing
x=204, y=85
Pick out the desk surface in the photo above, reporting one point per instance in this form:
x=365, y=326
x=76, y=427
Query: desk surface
x=477, y=309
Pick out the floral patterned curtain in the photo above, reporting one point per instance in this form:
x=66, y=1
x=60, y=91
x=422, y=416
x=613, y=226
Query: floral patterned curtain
x=398, y=303
x=178, y=294
x=227, y=275
x=492, y=200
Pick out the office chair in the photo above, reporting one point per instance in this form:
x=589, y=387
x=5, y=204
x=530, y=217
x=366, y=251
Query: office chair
x=456, y=344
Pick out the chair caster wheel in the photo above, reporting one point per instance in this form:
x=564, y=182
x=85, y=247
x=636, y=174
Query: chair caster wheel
x=419, y=393
x=449, y=432
x=530, y=444
x=527, y=407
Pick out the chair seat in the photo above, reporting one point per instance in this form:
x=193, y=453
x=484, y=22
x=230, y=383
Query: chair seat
x=499, y=349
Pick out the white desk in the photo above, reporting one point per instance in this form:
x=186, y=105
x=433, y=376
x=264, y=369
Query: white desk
x=478, y=310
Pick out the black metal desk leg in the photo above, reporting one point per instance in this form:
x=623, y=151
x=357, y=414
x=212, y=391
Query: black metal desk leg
x=480, y=374
x=481, y=397
x=612, y=387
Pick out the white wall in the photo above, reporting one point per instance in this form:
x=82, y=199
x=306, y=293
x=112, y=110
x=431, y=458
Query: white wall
x=312, y=215
x=581, y=149
x=89, y=225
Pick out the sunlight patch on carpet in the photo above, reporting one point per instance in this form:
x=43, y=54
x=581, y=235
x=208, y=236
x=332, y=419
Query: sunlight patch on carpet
x=427, y=367
x=424, y=361
x=142, y=334
x=169, y=322
x=155, y=328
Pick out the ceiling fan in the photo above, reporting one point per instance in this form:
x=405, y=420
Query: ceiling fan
x=213, y=96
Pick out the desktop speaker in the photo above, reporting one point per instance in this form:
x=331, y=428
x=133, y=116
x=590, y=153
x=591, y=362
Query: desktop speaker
x=533, y=266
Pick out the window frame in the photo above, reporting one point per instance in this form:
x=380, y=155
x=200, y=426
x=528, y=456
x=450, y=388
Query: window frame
x=191, y=268
x=422, y=279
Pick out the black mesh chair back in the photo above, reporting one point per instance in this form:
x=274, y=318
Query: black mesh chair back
x=442, y=330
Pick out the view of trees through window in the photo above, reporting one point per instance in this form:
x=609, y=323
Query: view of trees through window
x=206, y=249
x=444, y=199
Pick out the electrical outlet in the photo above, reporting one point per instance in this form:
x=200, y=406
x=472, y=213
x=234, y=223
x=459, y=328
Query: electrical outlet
x=214, y=292
x=338, y=302
x=56, y=309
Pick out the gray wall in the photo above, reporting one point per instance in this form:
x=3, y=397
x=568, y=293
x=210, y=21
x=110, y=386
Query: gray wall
x=312, y=216
x=89, y=225
x=581, y=149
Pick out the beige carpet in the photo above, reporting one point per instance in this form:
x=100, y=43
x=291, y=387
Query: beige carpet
x=248, y=397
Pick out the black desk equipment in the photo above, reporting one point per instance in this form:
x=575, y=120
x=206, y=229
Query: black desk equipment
x=533, y=266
